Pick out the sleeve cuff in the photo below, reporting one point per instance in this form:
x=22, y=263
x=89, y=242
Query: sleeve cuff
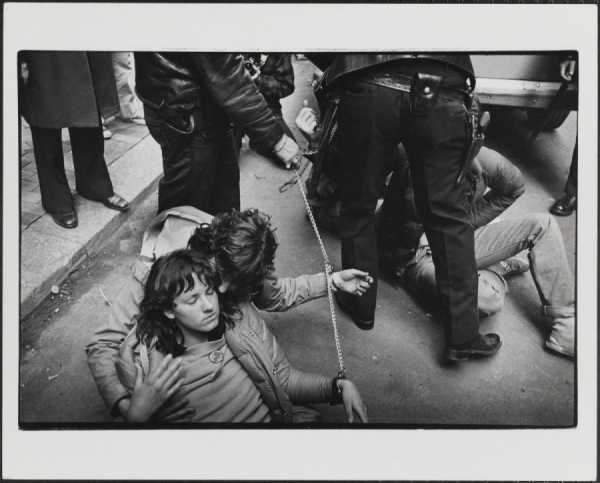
x=317, y=285
x=114, y=412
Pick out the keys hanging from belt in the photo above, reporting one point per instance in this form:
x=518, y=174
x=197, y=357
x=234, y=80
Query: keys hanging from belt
x=476, y=135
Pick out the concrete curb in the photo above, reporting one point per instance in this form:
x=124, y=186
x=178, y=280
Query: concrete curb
x=49, y=253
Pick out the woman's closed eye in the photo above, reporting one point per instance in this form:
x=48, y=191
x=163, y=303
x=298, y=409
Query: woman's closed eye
x=192, y=300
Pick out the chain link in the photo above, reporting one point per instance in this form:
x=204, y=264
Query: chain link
x=328, y=272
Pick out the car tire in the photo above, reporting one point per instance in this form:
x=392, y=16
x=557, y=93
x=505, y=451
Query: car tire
x=558, y=117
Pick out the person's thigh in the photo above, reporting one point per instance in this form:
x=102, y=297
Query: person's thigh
x=504, y=239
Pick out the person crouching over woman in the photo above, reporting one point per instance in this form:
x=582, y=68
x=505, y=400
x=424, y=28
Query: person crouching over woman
x=231, y=368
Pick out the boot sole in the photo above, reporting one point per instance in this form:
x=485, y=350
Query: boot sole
x=463, y=355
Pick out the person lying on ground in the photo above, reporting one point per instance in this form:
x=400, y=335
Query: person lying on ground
x=404, y=252
x=243, y=244
x=230, y=365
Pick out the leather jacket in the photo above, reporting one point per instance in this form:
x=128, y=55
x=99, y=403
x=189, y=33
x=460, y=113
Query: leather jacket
x=217, y=84
x=346, y=63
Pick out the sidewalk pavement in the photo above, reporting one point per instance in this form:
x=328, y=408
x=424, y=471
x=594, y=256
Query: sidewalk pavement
x=49, y=252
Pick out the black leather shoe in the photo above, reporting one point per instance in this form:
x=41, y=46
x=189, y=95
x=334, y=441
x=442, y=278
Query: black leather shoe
x=115, y=202
x=483, y=345
x=345, y=303
x=565, y=206
x=66, y=220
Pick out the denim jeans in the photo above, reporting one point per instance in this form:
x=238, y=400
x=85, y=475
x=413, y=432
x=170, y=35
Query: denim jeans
x=536, y=232
x=123, y=67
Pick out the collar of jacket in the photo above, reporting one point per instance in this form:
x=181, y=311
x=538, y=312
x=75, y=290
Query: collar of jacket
x=169, y=231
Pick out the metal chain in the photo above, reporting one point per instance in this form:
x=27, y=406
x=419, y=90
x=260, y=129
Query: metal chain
x=328, y=272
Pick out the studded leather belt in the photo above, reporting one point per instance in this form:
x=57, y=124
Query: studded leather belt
x=403, y=83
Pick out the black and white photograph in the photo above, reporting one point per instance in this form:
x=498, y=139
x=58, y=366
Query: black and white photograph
x=360, y=249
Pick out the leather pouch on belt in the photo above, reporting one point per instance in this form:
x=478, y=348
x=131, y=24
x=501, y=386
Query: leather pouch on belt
x=423, y=93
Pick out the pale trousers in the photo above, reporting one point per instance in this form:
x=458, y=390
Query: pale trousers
x=536, y=232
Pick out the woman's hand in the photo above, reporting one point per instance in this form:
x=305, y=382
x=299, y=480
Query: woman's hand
x=352, y=401
x=307, y=122
x=151, y=393
x=352, y=281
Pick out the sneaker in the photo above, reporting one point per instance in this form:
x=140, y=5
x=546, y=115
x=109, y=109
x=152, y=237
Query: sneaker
x=510, y=267
x=106, y=133
x=482, y=345
x=565, y=206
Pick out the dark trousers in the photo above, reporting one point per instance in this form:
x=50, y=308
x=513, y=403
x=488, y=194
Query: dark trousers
x=202, y=172
x=571, y=186
x=92, y=180
x=372, y=121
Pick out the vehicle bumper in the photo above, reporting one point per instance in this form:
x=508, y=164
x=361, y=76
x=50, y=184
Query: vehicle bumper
x=522, y=94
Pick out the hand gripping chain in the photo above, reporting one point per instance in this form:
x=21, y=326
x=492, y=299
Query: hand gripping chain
x=328, y=269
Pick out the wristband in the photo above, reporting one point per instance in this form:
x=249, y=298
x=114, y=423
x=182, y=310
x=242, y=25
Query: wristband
x=336, y=392
x=275, y=150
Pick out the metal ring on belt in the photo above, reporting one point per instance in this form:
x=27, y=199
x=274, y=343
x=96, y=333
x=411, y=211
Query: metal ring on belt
x=403, y=83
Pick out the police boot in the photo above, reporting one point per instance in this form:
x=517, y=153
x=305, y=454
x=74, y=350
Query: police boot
x=562, y=338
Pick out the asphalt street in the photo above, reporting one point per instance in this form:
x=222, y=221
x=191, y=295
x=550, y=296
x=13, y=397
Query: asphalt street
x=398, y=366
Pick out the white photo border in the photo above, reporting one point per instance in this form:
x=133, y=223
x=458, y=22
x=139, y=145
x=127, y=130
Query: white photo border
x=541, y=454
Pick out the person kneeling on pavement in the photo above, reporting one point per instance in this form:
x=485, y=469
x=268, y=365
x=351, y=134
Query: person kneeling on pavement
x=404, y=252
x=243, y=245
x=231, y=368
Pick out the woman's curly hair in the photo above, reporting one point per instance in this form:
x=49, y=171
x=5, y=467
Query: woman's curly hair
x=243, y=243
x=170, y=276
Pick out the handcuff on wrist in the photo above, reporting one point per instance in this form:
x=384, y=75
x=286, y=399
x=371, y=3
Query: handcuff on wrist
x=336, y=391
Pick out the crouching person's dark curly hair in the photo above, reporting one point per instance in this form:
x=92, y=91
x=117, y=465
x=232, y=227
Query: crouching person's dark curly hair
x=243, y=243
x=170, y=276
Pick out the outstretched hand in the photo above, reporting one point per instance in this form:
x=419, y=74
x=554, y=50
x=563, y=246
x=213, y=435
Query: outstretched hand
x=151, y=393
x=307, y=122
x=352, y=401
x=353, y=281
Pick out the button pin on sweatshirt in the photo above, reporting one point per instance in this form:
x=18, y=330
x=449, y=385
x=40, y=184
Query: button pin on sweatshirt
x=216, y=356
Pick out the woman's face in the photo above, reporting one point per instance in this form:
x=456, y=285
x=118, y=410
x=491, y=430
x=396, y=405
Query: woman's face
x=196, y=311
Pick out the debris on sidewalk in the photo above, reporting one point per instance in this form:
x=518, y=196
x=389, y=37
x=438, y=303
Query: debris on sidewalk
x=106, y=301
